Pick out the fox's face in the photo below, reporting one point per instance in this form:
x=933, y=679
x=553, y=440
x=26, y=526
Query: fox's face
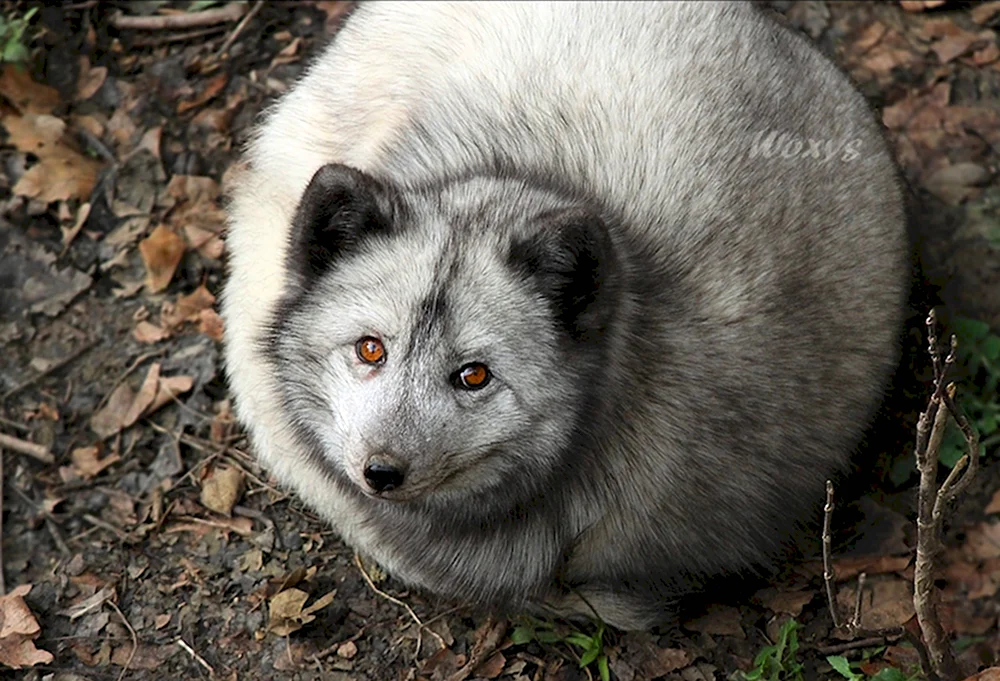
x=439, y=344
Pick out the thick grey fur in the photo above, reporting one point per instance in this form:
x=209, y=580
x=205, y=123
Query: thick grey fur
x=674, y=233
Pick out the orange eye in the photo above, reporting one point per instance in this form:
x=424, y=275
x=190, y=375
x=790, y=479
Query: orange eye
x=473, y=376
x=370, y=350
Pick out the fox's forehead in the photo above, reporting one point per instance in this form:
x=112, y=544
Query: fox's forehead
x=426, y=285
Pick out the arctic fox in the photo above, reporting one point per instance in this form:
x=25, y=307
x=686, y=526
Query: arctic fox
x=527, y=300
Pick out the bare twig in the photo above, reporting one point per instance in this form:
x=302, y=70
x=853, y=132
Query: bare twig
x=51, y=370
x=14, y=425
x=197, y=658
x=420, y=625
x=486, y=644
x=869, y=642
x=165, y=39
x=932, y=502
x=35, y=451
x=104, y=525
x=131, y=631
x=855, y=624
x=230, y=12
x=828, y=576
x=239, y=28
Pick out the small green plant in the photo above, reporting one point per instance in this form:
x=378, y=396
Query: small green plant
x=979, y=352
x=13, y=47
x=591, y=647
x=779, y=661
x=852, y=670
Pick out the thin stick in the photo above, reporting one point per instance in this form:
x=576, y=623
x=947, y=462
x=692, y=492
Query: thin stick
x=851, y=645
x=153, y=41
x=239, y=28
x=230, y=12
x=131, y=631
x=420, y=625
x=51, y=370
x=930, y=509
x=20, y=427
x=855, y=623
x=197, y=658
x=36, y=451
x=104, y=525
x=828, y=575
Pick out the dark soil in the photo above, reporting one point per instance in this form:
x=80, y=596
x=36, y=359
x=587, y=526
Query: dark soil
x=178, y=591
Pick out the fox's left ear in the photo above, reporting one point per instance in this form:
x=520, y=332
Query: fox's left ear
x=570, y=258
x=340, y=208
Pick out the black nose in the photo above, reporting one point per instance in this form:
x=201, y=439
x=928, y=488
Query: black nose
x=383, y=476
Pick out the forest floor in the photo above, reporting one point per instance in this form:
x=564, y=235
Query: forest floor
x=139, y=538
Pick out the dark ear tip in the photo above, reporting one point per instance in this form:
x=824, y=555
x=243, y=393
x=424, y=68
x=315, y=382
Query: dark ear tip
x=333, y=176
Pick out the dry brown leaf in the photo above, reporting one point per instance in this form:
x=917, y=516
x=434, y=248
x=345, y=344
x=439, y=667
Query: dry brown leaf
x=954, y=46
x=286, y=613
x=205, y=241
x=885, y=602
x=222, y=489
x=492, y=667
x=850, y=567
x=18, y=629
x=662, y=661
x=121, y=128
x=987, y=55
x=188, y=308
x=87, y=461
x=193, y=188
x=144, y=398
x=991, y=674
x=125, y=407
x=721, y=620
x=147, y=332
x=27, y=96
x=111, y=418
x=211, y=89
x=883, y=59
x=70, y=233
x=984, y=12
x=161, y=253
x=210, y=324
x=289, y=54
x=62, y=172
x=91, y=79
x=871, y=36
x=91, y=124
x=787, y=602
x=347, y=650
x=169, y=388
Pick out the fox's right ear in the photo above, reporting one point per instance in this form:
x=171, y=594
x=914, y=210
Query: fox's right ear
x=340, y=208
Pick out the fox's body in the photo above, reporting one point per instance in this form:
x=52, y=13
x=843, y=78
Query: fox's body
x=683, y=325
